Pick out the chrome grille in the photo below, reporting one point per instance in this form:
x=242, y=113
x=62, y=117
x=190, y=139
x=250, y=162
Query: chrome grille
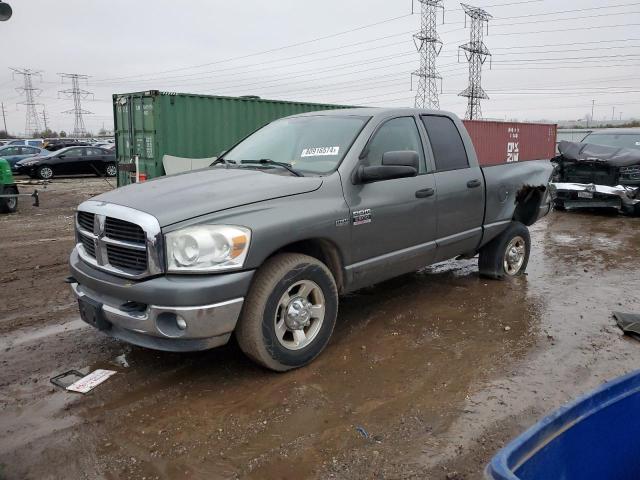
x=88, y=245
x=85, y=220
x=125, y=231
x=135, y=260
x=109, y=242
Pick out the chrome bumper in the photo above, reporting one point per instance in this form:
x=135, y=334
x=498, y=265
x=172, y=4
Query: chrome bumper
x=167, y=328
x=625, y=194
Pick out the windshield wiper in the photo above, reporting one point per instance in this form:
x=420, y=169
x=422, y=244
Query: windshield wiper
x=223, y=160
x=267, y=161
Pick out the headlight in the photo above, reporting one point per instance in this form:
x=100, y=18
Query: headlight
x=207, y=248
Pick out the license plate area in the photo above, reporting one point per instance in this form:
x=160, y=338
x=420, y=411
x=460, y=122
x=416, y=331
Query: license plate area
x=585, y=195
x=91, y=313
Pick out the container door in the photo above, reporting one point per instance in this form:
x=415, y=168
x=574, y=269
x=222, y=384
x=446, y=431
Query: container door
x=135, y=137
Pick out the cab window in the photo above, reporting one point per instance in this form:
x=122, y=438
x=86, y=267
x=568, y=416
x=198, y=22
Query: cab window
x=448, y=150
x=398, y=134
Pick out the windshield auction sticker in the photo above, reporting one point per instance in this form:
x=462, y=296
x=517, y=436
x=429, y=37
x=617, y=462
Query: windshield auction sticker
x=320, y=152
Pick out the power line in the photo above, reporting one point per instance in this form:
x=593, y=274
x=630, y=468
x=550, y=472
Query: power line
x=32, y=122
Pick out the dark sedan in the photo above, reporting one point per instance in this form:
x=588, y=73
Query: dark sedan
x=69, y=161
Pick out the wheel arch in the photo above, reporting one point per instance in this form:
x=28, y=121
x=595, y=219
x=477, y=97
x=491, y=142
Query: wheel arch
x=528, y=201
x=323, y=250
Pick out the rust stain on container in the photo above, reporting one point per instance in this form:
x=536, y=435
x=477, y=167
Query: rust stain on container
x=506, y=142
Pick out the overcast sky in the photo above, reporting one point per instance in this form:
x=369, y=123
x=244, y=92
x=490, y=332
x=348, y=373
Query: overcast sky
x=545, y=65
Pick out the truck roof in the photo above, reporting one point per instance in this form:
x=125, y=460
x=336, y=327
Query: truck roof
x=374, y=112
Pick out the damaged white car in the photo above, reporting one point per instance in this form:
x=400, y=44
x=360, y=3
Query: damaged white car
x=602, y=174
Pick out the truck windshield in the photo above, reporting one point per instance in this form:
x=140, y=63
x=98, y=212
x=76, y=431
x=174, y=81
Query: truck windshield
x=621, y=140
x=313, y=145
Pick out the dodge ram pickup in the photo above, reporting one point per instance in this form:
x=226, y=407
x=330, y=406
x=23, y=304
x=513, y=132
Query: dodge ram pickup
x=263, y=242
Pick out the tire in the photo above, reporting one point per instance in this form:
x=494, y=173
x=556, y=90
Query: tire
x=499, y=260
x=9, y=205
x=44, y=172
x=265, y=332
x=559, y=205
x=111, y=170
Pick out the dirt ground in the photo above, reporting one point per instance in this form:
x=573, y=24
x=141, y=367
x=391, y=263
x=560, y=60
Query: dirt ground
x=426, y=376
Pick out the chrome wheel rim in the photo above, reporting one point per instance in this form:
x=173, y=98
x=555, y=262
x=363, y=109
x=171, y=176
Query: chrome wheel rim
x=12, y=203
x=299, y=315
x=111, y=170
x=46, y=172
x=514, y=255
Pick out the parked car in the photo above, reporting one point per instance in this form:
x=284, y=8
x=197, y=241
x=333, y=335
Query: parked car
x=32, y=142
x=69, y=161
x=53, y=144
x=15, y=153
x=305, y=209
x=601, y=172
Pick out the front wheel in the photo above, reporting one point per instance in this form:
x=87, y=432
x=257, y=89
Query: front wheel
x=290, y=312
x=507, y=255
x=45, y=172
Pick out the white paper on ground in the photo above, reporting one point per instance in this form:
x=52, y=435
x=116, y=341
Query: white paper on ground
x=91, y=381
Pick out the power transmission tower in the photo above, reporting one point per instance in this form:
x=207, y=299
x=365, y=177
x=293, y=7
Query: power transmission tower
x=78, y=95
x=32, y=123
x=476, y=53
x=45, y=118
x=429, y=45
x=4, y=118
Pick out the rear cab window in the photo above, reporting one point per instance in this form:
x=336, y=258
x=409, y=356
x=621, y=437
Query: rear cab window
x=448, y=149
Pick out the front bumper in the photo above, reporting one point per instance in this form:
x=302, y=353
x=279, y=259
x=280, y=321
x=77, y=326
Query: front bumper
x=580, y=195
x=172, y=312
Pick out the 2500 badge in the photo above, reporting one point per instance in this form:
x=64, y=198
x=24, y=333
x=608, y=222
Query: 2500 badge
x=360, y=217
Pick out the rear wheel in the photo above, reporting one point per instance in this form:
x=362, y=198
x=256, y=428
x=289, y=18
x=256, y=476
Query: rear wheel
x=45, y=172
x=507, y=255
x=9, y=205
x=290, y=312
x=111, y=170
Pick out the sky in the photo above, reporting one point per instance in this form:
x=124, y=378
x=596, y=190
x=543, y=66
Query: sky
x=550, y=59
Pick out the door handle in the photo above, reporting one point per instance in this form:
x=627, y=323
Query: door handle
x=474, y=183
x=427, y=192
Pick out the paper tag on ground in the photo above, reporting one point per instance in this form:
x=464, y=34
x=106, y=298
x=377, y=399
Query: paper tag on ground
x=91, y=381
x=320, y=151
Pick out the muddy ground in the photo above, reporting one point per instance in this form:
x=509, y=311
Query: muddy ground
x=427, y=375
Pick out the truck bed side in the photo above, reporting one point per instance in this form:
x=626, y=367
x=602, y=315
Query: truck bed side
x=515, y=191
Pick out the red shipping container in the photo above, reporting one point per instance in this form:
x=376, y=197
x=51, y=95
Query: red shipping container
x=506, y=142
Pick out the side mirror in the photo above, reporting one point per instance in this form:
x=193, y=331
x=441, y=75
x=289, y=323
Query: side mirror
x=61, y=156
x=401, y=164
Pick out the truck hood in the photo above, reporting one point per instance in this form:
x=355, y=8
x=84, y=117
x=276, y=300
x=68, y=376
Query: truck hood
x=188, y=195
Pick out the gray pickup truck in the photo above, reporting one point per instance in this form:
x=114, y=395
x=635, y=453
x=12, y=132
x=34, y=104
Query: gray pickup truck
x=263, y=242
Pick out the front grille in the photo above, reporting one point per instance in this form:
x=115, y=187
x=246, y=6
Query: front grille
x=124, y=231
x=123, y=257
x=88, y=245
x=119, y=246
x=85, y=220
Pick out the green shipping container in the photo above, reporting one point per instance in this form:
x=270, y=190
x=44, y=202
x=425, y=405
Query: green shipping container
x=152, y=124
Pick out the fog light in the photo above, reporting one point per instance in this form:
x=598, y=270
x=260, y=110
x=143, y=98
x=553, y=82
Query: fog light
x=171, y=325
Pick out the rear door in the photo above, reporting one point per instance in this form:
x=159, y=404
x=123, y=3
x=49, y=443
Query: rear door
x=392, y=221
x=460, y=190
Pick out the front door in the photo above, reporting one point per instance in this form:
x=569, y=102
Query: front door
x=393, y=222
x=460, y=190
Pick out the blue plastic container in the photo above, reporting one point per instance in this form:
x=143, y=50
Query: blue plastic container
x=596, y=437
